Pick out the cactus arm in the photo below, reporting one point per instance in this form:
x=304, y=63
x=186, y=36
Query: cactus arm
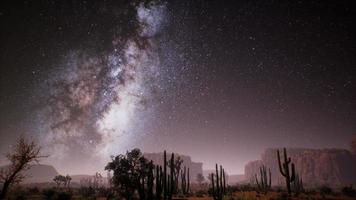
x=264, y=175
x=217, y=180
x=188, y=177
x=280, y=164
x=292, y=178
x=224, y=181
x=165, y=175
x=289, y=160
x=212, y=184
x=270, y=179
x=171, y=177
x=221, y=185
x=169, y=192
x=258, y=185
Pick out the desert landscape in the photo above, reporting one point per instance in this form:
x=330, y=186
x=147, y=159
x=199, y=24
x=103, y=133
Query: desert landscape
x=177, y=100
x=307, y=174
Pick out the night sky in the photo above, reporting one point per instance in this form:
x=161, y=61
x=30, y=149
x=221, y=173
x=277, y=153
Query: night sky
x=219, y=81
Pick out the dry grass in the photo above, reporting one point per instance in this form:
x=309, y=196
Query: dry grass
x=252, y=195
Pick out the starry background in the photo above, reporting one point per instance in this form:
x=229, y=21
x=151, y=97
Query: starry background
x=231, y=79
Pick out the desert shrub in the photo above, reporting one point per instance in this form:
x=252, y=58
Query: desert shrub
x=86, y=191
x=48, y=194
x=232, y=189
x=326, y=190
x=200, y=193
x=210, y=191
x=348, y=191
x=245, y=197
x=282, y=196
x=63, y=196
x=310, y=197
x=16, y=196
x=279, y=189
x=247, y=187
x=311, y=191
x=17, y=193
x=104, y=192
x=19, y=197
x=33, y=190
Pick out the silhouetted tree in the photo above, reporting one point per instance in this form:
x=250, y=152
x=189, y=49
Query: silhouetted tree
x=24, y=153
x=59, y=179
x=127, y=172
x=68, y=180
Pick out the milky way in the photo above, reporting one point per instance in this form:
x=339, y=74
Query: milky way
x=219, y=81
x=96, y=99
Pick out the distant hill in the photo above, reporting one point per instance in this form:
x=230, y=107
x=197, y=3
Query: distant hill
x=40, y=174
x=80, y=177
x=44, y=174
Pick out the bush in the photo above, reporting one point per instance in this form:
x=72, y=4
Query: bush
x=232, y=189
x=348, y=191
x=104, y=192
x=17, y=193
x=325, y=190
x=33, y=190
x=200, y=193
x=282, y=196
x=48, y=194
x=86, y=191
x=247, y=187
x=63, y=196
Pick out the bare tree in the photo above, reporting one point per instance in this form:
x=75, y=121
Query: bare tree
x=57, y=179
x=24, y=153
x=60, y=179
x=68, y=179
x=98, y=180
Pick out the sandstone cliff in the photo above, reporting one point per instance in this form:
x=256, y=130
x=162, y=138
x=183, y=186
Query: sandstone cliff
x=333, y=167
x=40, y=174
x=194, y=167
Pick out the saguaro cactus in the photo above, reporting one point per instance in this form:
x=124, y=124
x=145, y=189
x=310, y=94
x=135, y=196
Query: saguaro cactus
x=172, y=181
x=150, y=180
x=265, y=181
x=298, y=184
x=159, y=178
x=168, y=178
x=165, y=178
x=284, y=169
x=185, y=181
x=218, y=183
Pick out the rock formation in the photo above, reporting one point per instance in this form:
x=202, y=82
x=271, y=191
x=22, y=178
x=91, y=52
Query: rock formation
x=333, y=167
x=40, y=174
x=195, y=167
